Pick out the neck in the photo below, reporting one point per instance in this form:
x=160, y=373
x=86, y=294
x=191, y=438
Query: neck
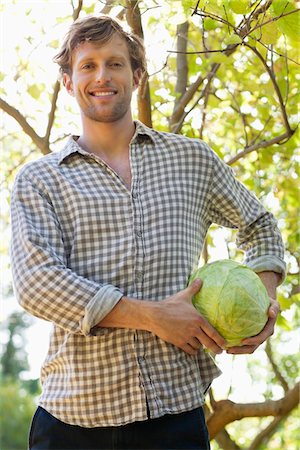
x=110, y=139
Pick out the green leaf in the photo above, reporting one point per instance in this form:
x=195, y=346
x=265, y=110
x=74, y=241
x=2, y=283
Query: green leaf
x=89, y=9
x=269, y=33
x=214, y=6
x=35, y=90
x=233, y=39
x=219, y=57
x=283, y=86
x=188, y=6
x=210, y=24
x=239, y=6
x=283, y=323
x=288, y=24
x=285, y=303
x=55, y=43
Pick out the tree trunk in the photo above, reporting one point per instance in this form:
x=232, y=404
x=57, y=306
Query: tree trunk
x=133, y=16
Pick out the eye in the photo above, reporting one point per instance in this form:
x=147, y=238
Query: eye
x=87, y=66
x=116, y=65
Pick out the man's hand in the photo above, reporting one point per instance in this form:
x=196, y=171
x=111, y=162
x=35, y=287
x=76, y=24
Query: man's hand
x=175, y=320
x=249, y=345
x=179, y=323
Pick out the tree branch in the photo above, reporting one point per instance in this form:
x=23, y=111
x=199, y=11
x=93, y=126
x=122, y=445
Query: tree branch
x=262, y=144
x=133, y=16
x=16, y=167
x=225, y=441
x=274, y=19
x=76, y=11
x=13, y=112
x=207, y=92
x=107, y=7
x=295, y=290
x=179, y=114
x=275, y=368
x=266, y=433
x=258, y=10
x=52, y=110
x=271, y=50
x=42, y=143
x=181, y=60
x=245, y=25
x=226, y=411
x=200, y=52
x=215, y=17
x=276, y=87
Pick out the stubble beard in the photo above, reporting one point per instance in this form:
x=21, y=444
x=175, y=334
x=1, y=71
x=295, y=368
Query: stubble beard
x=107, y=114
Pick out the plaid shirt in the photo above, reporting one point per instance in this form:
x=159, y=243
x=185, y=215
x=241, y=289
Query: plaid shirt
x=82, y=240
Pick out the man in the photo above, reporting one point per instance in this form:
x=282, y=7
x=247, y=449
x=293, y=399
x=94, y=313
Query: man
x=105, y=235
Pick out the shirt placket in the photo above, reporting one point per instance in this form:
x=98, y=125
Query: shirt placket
x=137, y=221
x=141, y=337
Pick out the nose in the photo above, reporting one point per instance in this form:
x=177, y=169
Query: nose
x=103, y=75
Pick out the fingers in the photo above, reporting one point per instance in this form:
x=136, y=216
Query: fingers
x=268, y=329
x=205, y=333
x=199, y=338
x=274, y=308
x=241, y=350
x=195, y=343
x=249, y=345
x=187, y=348
x=193, y=330
x=210, y=337
x=192, y=347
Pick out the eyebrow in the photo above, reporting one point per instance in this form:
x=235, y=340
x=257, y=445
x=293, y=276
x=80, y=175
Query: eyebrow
x=94, y=58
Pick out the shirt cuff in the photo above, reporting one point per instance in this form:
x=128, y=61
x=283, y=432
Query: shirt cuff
x=100, y=305
x=268, y=263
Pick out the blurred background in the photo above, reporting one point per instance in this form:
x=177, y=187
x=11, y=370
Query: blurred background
x=226, y=72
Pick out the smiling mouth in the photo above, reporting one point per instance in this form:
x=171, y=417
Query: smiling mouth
x=102, y=93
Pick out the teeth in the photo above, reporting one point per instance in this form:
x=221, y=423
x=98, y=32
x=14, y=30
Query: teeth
x=102, y=94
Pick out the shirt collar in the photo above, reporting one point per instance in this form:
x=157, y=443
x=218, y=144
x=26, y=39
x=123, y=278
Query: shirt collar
x=72, y=146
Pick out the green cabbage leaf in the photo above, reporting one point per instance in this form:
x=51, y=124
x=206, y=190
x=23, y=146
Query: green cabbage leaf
x=233, y=299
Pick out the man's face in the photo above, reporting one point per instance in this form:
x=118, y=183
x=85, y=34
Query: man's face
x=102, y=80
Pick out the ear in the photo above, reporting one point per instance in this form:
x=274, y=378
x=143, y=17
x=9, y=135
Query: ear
x=68, y=83
x=137, y=76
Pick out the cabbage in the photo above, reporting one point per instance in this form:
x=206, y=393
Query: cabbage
x=233, y=299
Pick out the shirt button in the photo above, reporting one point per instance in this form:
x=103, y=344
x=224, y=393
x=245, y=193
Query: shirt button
x=139, y=275
x=141, y=359
x=139, y=234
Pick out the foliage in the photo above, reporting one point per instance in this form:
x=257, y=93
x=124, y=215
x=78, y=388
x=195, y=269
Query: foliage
x=227, y=73
x=17, y=396
x=14, y=358
x=16, y=410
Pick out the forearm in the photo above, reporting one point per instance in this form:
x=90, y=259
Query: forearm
x=271, y=280
x=132, y=314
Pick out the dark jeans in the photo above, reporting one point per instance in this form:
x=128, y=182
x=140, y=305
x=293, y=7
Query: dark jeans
x=173, y=431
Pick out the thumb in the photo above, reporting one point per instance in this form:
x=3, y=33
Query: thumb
x=194, y=287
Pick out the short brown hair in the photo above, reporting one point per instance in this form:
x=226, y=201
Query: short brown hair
x=99, y=29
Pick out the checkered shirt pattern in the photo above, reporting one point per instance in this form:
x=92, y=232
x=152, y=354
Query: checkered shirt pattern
x=82, y=240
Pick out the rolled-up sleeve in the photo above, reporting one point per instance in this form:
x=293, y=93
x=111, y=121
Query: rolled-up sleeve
x=233, y=205
x=44, y=284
